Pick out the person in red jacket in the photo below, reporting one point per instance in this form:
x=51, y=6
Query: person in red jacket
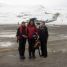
x=31, y=32
x=21, y=38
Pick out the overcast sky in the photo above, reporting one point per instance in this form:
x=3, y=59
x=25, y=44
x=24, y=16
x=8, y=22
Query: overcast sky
x=47, y=3
x=16, y=6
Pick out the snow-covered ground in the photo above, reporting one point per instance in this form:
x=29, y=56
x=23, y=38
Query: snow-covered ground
x=5, y=44
x=8, y=34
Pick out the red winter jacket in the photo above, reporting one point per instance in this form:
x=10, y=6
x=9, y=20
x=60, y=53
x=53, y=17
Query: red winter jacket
x=21, y=31
x=31, y=30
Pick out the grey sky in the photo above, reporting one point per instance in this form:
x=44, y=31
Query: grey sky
x=10, y=8
x=46, y=3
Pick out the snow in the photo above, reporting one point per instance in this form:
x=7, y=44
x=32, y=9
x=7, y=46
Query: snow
x=8, y=34
x=5, y=44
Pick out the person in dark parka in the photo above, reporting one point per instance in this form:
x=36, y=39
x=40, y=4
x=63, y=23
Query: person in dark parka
x=21, y=38
x=43, y=36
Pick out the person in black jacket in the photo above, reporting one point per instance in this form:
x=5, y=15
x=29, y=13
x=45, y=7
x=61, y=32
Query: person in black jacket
x=43, y=36
x=21, y=38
